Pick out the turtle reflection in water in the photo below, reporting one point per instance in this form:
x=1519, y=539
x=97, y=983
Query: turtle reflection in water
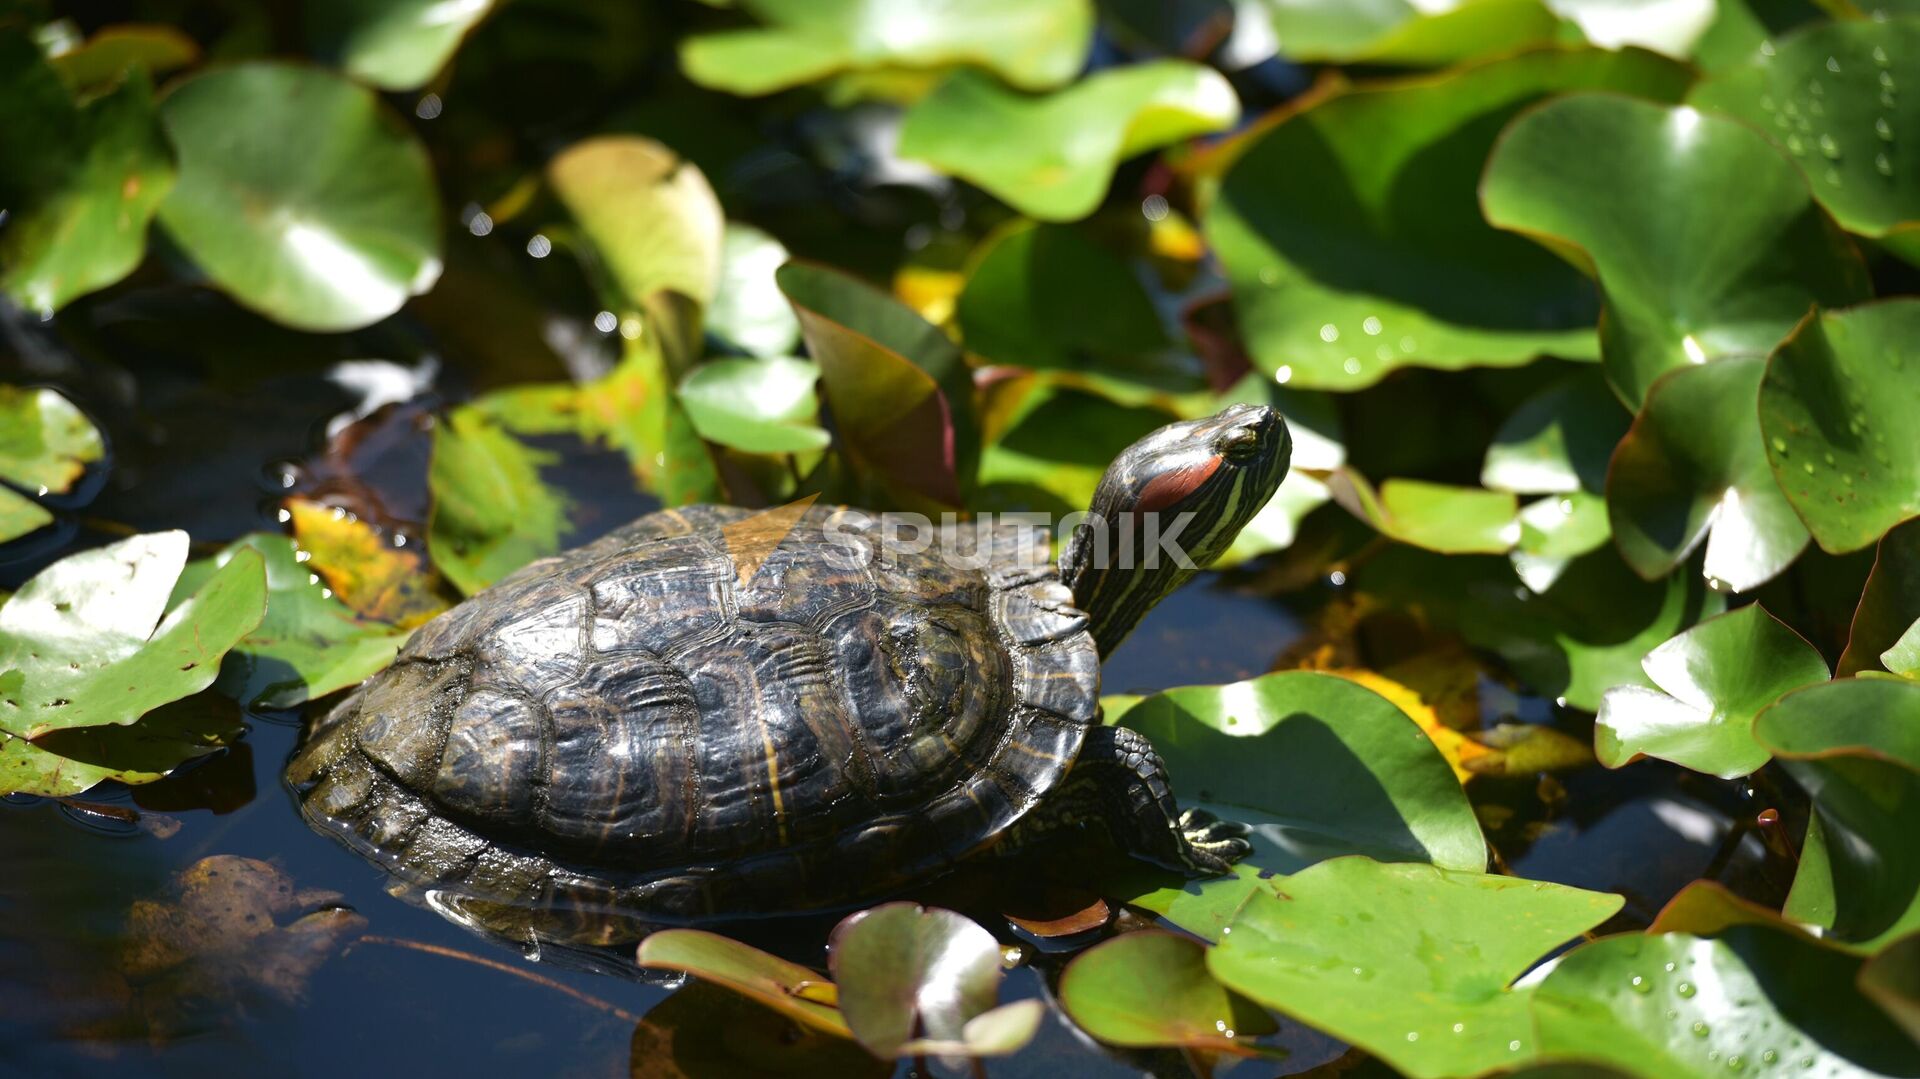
x=630, y=734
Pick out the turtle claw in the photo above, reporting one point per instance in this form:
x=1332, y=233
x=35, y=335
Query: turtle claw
x=1212, y=845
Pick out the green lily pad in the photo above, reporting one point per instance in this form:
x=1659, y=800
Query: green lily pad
x=1554, y=531
x=1439, y=517
x=300, y=194
x=1830, y=95
x=1753, y=1000
x=787, y=988
x=1151, y=988
x=1713, y=680
x=81, y=184
x=1670, y=27
x=1047, y=297
x=1053, y=157
x=1057, y=441
x=45, y=442
x=761, y=406
x=900, y=390
x=62, y=763
x=1904, y=657
x=106, y=57
x=1355, y=243
x=1890, y=603
x=1694, y=468
x=655, y=224
x=1854, y=745
x=1318, y=767
x=20, y=515
x=1405, y=32
x=491, y=512
x=394, y=44
x=921, y=981
x=634, y=410
x=79, y=646
x=1891, y=979
x=748, y=310
x=1412, y=963
x=1032, y=44
x=1689, y=276
x=1837, y=408
x=309, y=644
x=1558, y=441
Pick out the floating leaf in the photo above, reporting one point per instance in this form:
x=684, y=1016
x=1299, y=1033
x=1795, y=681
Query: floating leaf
x=1413, y=963
x=917, y=981
x=748, y=310
x=81, y=183
x=1854, y=745
x=1554, y=531
x=655, y=224
x=747, y=970
x=1405, y=32
x=79, y=648
x=20, y=515
x=491, y=512
x=106, y=57
x=67, y=762
x=300, y=194
x=1558, y=441
x=1439, y=517
x=394, y=44
x=45, y=445
x=1837, y=407
x=1416, y=275
x=1053, y=157
x=1049, y=297
x=1753, y=999
x=1714, y=679
x=308, y=645
x=900, y=390
x=757, y=405
x=1318, y=766
x=1829, y=94
x=1032, y=44
x=371, y=575
x=1151, y=988
x=703, y=1031
x=1691, y=275
x=1694, y=462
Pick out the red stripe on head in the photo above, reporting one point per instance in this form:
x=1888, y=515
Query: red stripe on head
x=1174, y=486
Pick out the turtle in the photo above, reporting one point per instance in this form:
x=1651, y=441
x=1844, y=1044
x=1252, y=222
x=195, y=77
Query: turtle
x=711, y=713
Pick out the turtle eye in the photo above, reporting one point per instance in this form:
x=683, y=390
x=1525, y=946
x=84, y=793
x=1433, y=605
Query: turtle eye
x=1237, y=443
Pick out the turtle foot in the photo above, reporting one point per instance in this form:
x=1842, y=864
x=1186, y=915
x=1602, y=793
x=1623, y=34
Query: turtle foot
x=1212, y=845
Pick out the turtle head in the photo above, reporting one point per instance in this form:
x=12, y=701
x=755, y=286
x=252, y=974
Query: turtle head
x=1168, y=507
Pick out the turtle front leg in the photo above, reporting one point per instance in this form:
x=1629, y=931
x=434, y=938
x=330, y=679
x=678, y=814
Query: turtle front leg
x=1119, y=784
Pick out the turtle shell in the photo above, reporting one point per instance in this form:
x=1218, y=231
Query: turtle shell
x=631, y=727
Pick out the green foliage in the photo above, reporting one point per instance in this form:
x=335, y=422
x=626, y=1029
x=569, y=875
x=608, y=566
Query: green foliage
x=491, y=513
x=45, y=445
x=394, y=45
x=1152, y=988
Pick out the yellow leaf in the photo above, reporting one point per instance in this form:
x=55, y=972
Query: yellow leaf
x=372, y=576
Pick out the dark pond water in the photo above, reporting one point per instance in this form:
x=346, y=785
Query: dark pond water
x=83, y=887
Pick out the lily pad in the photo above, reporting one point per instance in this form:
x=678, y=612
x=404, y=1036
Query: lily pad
x=703, y=1031
x=1554, y=531
x=1032, y=44
x=491, y=512
x=785, y=987
x=1892, y=980
x=900, y=390
x=1416, y=276
x=45, y=442
x=300, y=194
x=20, y=515
x=1558, y=441
x=1055, y=442
x=1318, y=766
x=748, y=310
x=82, y=181
x=757, y=405
x=1053, y=157
x=1413, y=963
x=1671, y=27
x=1693, y=468
x=655, y=224
x=1437, y=516
x=1754, y=1000
x=1854, y=745
x=110, y=52
x=308, y=645
x=378, y=580
x=1714, y=679
x=68, y=762
x=1406, y=32
x=920, y=981
x=79, y=647
x=1837, y=408
x=1689, y=276
x=1151, y=988
x=1889, y=603
x=394, y=44
x=1830, y=95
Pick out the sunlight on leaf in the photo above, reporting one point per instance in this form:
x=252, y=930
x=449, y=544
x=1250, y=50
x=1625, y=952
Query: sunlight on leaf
x=770, y=980
x=377, y=579
x=394, y=44
x=110, y=52
x=748, y=310
x=1439, y=517
x=923, y=981
x=758, y=405
x=1152, y=988
x=491, y=512
x=1409, y=32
